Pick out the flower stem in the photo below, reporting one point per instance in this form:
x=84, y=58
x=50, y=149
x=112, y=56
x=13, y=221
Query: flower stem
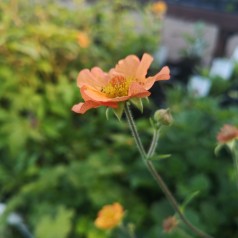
x=155, y=174
x=134, y=131
x=234, y=153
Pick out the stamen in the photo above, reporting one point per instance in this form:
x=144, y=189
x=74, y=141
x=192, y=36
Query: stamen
x=117, y=87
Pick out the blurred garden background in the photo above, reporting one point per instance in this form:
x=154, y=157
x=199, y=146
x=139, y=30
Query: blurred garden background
x=58, y=168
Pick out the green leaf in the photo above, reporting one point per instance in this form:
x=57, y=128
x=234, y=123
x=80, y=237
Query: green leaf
x=160, y=157
x=58, y=226
x=119, y=110
x=137, y=102
x=28, y=48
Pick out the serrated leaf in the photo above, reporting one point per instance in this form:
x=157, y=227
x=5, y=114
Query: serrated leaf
x=119, y=110
x=137, y=102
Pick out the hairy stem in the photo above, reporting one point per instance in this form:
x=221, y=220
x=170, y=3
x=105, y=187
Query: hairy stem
x=234, y=153
x=156, y=175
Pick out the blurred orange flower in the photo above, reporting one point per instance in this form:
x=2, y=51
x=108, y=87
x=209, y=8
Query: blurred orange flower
x=83, y=39
x=159, y=7
x=109, y=216
x=169, y=224
x=227, y=133
x=127, y=80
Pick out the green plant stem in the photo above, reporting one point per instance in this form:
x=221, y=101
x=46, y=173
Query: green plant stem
x=156, y=175
x=127, y=232
x=154, y=143
x=134, y=131
x=234, y=153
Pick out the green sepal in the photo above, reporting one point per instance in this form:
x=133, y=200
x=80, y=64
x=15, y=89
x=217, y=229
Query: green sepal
x=231, y=145
x=159, y=157
x=152, y=122
x=119, y=110
x=147, y=99
x=137, y=102
x=155, y=125
x=107, y=113
x=218, y=148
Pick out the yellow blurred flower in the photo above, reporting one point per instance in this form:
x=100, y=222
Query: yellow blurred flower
x=159, y=7
x=83, y=39
x=109, y=216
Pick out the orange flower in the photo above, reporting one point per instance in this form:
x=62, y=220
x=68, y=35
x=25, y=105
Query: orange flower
x=109, y=216
x=159, y=7
x=124, y=82
x=83, y=39
x=227, y=133
x=169, y=224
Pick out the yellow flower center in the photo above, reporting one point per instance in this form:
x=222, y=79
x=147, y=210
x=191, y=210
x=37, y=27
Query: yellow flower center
x=117, y=87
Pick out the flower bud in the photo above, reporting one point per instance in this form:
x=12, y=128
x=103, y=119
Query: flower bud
x=227, y=134
x=169, y=224
x=164, y=117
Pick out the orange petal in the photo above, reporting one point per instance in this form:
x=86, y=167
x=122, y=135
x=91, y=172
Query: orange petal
x=83, y=107
x=144, y=66
x=101, y=97
x=136, y=90
x=83, y=94
x=95, y=79
x=149, y=82
x=119, y=99
x=94, y=95
x=164, y=74
x=102, y=77
x=128, y=66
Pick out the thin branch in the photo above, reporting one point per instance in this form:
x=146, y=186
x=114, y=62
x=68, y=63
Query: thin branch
x=156, y=175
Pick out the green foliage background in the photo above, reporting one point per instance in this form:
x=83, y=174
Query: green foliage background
x=58, y=169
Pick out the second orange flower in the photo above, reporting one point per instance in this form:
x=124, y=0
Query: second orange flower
x=109, y=216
